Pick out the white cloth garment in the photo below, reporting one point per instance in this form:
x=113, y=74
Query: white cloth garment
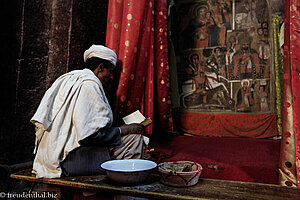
x=100, y=52
x=73, y=108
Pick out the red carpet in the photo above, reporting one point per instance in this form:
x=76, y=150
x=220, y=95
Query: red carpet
x=237, y=159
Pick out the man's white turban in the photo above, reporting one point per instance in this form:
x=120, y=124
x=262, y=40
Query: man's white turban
x=100, y=51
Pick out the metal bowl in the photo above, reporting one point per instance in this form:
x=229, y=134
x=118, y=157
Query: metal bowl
x=180, y=173
x=128, y=171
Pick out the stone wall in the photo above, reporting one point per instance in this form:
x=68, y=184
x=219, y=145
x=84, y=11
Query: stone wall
x=40, y=40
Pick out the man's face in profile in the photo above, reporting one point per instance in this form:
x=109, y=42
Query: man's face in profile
x=105, y=74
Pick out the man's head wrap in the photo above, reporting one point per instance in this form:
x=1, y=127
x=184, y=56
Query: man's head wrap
x=100, y=51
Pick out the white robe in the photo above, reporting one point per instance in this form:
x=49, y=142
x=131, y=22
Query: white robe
x=73, y=108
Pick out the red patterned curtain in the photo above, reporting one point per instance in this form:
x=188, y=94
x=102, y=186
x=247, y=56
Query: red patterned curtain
x=137, y=32
x=290, y=146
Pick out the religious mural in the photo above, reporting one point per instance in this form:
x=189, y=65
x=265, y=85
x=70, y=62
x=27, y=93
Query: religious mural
x=223, y=54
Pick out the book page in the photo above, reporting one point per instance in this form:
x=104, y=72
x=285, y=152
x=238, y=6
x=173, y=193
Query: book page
x=135, y=117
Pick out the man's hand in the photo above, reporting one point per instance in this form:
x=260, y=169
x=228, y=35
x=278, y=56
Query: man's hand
x=131, y=129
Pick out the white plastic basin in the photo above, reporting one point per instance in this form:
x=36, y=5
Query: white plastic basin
x=128, y=171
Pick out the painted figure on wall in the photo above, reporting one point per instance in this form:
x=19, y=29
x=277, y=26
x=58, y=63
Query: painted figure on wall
x=246, y=14
x=194, y=93
x=213, y=30
x=261, y=11
x=196, y=33
x=245, y=61
x=222, y=16
x=222, y=9
x=219, y=58
x=207, y=26
x=200, y=85
x=192, y=81
x=250, y=6
x=193, y=65
x=262, y=96
x=264, y=48
x=217, y=85
x=245, y=98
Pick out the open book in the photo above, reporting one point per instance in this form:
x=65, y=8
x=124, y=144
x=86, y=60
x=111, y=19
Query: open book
x=137, y=117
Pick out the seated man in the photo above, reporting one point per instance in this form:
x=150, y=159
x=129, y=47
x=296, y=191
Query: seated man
x=74, y=133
